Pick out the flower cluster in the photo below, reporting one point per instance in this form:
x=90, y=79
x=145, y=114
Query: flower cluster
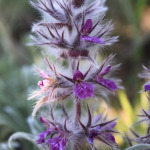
x=92, y=83
x=58, y=135
x=74, y=31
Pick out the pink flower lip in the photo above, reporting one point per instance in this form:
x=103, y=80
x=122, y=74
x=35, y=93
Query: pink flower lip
x=44, y=83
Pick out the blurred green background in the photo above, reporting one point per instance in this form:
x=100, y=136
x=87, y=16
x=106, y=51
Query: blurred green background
x=131, y=20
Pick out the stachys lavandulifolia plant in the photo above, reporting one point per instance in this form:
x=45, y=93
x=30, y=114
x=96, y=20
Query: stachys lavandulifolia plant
x=74, y=31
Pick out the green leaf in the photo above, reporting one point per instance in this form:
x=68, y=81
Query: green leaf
x=139, y=8
x=17, y=117
x=139, y=147
x=8, y=121
x=125, y=103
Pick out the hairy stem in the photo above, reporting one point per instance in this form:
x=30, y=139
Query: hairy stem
x=78, y=108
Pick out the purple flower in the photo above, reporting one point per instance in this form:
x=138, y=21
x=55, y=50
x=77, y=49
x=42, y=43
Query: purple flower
x=107, y=83
x=43, y=135
x=147, y=87
x=59, y=142
x=103, y=131
x=86, y=31
x=82, y=89
x=94, y=133
x=45, y=83
x=109, y=126
x=107, y=135
x=43, y=120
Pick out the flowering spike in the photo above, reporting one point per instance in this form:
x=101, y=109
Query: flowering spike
x=70, y=33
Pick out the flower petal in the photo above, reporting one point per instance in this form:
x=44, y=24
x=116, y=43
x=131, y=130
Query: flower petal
x=92, y=39
x=93, y=134
x=55, y=146
x=54, y=140
x=43, y=135
x=91, y=139
x=87, y=27
x=42, y=120
x=40, y=84
x=44, y=83
x=147, y=87
x=110, y=84
x=105, y=71
x=109, y=137
x=77, y=75
x=84, y=90
x=62, y=144
x=45, y=76
x=109, y=126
